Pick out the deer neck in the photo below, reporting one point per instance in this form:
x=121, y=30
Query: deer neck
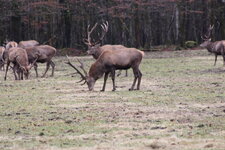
x=98, y=52
x=210, y=46
x=97, y=70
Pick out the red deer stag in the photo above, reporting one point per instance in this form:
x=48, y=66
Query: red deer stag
x=44, y=54
x=108, y=62
x=94, y=48
x=218, y=47
x=18, y=57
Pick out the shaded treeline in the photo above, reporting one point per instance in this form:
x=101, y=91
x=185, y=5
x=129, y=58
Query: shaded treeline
x=133, y=23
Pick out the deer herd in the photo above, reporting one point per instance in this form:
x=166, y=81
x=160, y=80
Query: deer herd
x=108, y=58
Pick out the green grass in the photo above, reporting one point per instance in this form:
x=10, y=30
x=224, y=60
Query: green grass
x=181, y=105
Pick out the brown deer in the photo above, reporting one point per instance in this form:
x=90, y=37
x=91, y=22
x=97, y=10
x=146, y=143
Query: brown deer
x=29, y=43
x=94, y=48
x=19, y=58
x=108, y=62
x=2, y=62
x=44, y=54
x=218, y=47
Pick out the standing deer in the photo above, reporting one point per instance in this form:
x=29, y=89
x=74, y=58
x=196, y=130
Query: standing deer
x=18, y=57
x=218, y=47
x=108, y=62
x=44, y=54
x=94, y=48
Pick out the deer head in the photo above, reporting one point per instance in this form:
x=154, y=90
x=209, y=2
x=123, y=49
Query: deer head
x=207, y=37
x=26, y=69
x=94, y=46
x=84, y=76
x=10, y=45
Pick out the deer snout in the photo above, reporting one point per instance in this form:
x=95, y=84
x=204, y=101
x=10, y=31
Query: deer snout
x=90, y=83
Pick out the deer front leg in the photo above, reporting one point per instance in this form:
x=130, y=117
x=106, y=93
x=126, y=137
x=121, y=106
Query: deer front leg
x=215, y=59
x=113, y=80
x=35, y=68
x=105, y=79
x=223, y=54
x=6, y=70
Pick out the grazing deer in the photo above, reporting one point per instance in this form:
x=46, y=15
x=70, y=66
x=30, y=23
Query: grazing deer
x=18, y=57
x=44, y=54
x=29, y=43
x=2, y=62
x=218, y=47
x=94, y=48
x=108, y=62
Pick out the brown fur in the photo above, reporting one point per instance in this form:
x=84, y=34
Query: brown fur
x=10, y=45
x=29, y=43
x=19, y=58
x=217, y=48
x=44, y=54
x=111, y=60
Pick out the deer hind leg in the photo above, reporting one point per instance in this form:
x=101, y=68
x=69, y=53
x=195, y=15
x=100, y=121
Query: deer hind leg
x=53, y=67
x=215, y=59
x=126, y=73
x=47, y=67
x=223, y=55
x=119, y=73
x=139, y=80
x=105, y=79
x=136, y=72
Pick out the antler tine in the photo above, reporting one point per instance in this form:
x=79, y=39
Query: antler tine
x=105, y=28
x=82, y=67
x=83, y=78
x=88, y=40
x=211, y=27
x=208, y=34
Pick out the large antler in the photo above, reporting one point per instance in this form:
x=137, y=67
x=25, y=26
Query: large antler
x=88, y=40
x=104, y=26
x=83, y=76
x=208, y=34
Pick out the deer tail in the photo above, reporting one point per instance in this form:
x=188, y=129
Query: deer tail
x=142, y=53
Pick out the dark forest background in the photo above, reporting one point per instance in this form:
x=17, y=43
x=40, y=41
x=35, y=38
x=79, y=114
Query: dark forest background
x=133, y=23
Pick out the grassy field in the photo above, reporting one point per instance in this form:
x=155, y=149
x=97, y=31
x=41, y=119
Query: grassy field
x=181, y=105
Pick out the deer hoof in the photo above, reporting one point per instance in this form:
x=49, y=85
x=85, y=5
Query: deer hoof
x=131, y=89
x=113, y=89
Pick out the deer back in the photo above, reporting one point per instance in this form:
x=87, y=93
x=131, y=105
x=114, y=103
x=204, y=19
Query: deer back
x=96, y=50
x=121, y=58
x=43, y=52
x=29, y=43
x=18, y=55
